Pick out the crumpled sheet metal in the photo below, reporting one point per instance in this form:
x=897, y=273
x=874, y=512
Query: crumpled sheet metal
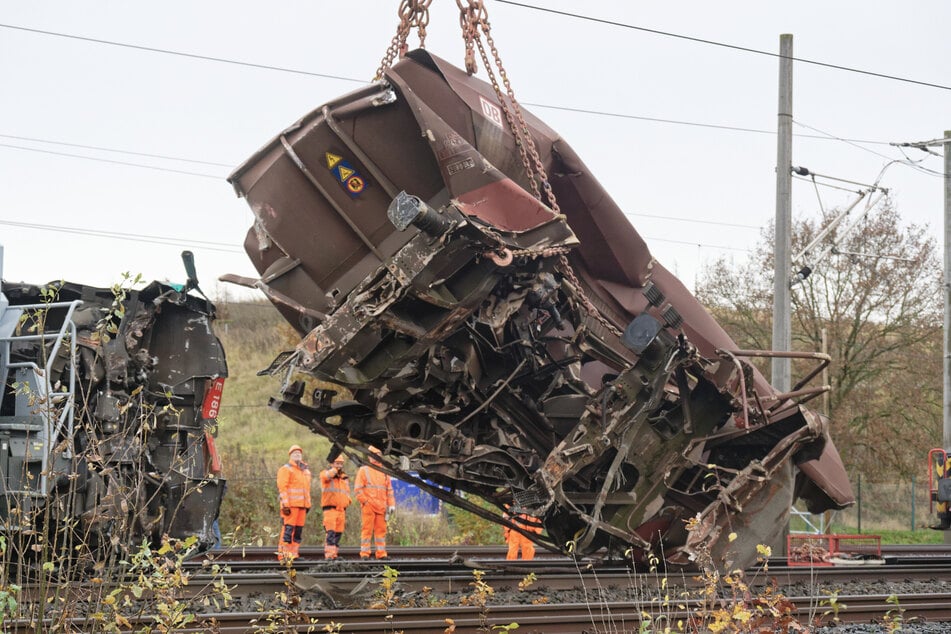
x=375, y=305
x=139, y=438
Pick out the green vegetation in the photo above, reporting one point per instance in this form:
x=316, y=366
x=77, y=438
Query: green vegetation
x=252, y=438
x=922, y=536
x=879, y=319
x=253, y=441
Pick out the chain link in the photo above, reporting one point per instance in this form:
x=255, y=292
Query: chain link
x=525, y=132
x=474, y=21
x=413, y=13
x=565, y=266
x=589, y=306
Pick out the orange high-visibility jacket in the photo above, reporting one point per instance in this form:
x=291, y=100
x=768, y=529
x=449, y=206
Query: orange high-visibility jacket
x=335, y=490
x=293, y=486
x=523, y=520
x=375, y=488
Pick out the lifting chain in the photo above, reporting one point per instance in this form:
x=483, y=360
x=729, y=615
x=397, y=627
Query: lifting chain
x=501, y=251
x=588, y=305
x=413, y=13
x=473, y=19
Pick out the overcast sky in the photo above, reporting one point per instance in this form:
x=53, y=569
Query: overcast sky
x=686, y=144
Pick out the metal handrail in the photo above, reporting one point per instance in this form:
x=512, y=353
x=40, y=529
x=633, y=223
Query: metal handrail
x=822, y=358
x=67, y=415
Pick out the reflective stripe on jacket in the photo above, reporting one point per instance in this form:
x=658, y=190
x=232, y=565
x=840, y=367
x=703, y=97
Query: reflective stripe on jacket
x=335, y=489
x=525, y=521
x=375, y=488
x=293, y=486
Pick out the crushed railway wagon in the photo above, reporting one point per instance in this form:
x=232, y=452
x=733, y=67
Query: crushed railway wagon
x=107, y=416
x=541, y=360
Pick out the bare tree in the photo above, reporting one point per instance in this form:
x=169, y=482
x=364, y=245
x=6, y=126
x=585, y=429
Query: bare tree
x=879, y=298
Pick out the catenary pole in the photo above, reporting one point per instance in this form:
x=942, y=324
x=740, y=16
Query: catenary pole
x=946, y=441
x=782, y=334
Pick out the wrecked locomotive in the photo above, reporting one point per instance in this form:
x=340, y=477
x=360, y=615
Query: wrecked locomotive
x=538, y=358
x=107, y=417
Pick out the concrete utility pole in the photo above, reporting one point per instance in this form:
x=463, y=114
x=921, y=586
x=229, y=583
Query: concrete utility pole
x=946, y=444
x=782, y=333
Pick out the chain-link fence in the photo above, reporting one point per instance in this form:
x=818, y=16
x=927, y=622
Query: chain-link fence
x=880, y=506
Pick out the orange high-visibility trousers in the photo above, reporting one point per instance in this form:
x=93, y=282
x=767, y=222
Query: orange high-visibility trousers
x=516, y=542
x=334, y=523
x=373, y=528
x=291, y=533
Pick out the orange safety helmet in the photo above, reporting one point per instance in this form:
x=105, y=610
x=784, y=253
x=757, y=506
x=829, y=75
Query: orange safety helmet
x=295, y=448
x=376, y=450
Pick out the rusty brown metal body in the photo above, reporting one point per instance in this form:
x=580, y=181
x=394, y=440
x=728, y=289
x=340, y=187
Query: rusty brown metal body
x=536, y=359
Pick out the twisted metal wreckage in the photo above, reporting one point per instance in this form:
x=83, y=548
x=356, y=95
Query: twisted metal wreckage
x=536, y=359
x=107, y=415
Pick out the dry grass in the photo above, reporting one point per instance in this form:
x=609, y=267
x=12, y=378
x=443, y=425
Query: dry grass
x=253, y=442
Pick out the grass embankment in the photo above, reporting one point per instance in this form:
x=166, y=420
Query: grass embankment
x=252, y=438
x=253, y=441
x=921, y=536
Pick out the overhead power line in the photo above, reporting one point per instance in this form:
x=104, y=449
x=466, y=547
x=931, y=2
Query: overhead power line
x=824, y=135
x=706, y=222
x=745, y=49
x=600, y=113
x=102, y=160
x=833, y=137
x=908, y=162
x=816, y=183
x=618, y=115
x=578, y=16
x=698, y=244
x=230, y=248
x=107, y=149
x=621, y=115
x=207, y=58
x=352, y=79
x=135, y=237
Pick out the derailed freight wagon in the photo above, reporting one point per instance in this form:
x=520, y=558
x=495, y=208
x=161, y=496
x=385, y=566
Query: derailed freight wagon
x=107, y=418
x=539, y=359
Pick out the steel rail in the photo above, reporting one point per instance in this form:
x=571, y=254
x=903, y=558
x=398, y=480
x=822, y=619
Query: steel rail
x=355, y=583
x=233, y=554
x=549, y=618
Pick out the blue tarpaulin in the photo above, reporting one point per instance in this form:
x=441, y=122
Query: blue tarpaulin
x=411, y=498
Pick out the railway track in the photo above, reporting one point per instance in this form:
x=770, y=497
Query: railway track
x=563, y=594
x=264, y=557
x=592, y=617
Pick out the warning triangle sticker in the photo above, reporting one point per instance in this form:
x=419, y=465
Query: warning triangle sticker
x=343, y=173
x=332, y=159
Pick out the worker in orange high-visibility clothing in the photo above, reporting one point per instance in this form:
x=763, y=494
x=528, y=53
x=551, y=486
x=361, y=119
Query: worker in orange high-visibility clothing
x=293, y=487
x=516, y=540
x=374, y=491
x=334, y=500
